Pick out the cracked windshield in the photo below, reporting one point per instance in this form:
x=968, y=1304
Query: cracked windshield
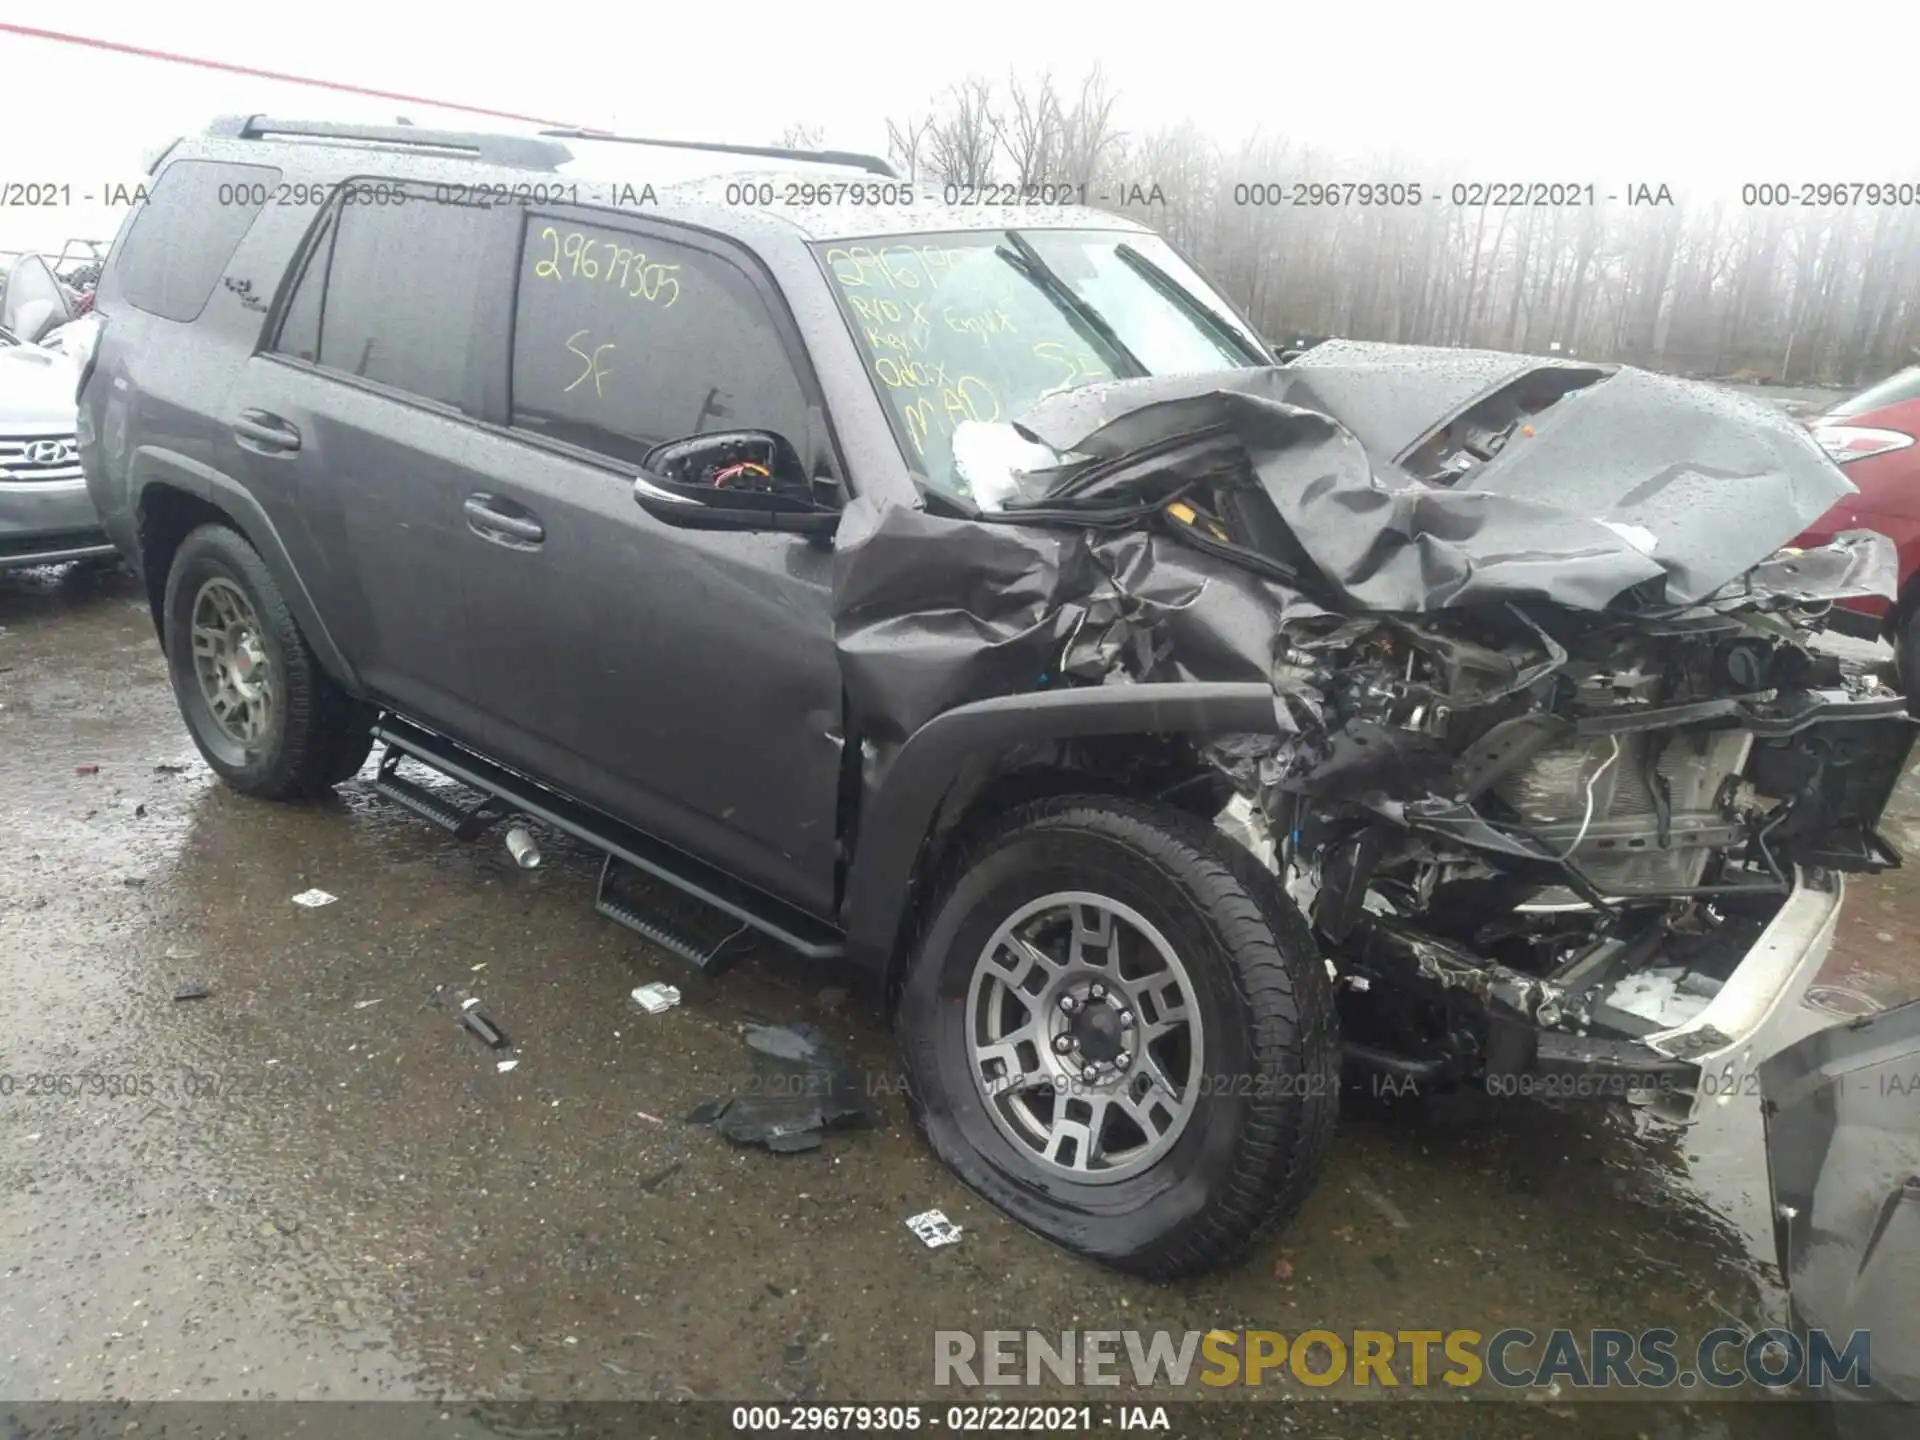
x=962, y=333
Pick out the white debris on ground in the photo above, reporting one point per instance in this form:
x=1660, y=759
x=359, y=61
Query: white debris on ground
x=312, y=898
x=934, y=1229
x=656, y=996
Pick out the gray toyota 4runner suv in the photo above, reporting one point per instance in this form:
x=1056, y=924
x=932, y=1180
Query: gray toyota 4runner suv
x=966, y=592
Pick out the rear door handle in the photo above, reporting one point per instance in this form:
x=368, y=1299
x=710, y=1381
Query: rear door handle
x=267, y=431
x=490, y=523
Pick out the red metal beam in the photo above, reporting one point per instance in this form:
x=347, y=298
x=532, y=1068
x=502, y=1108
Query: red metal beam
x=34, y=33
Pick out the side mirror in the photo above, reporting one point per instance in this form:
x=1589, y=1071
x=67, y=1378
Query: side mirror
x=671, y=503
x=731, y=480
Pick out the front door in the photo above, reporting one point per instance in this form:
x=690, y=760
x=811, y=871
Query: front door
x=683, y=680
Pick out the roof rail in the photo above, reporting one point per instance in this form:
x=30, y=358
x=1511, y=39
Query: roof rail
x=871, y=163
x=520, y=151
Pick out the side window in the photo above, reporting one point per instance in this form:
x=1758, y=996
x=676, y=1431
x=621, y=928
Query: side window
x=623, y=340
x=390, y=294
x=300, y=329
x=182, y=238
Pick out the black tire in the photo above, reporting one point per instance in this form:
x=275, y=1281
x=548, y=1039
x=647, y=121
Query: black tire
x=1252, y=1147
x=315, y=730
x=353, y=742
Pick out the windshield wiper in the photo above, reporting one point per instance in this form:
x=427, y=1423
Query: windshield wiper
x=1175, y=293
x=1091, y=324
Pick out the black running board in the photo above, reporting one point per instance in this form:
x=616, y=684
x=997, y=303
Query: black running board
x=468, y=824
x=609, y=902
x=511, y=792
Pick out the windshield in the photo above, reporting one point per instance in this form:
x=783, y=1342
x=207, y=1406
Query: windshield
x=971, y=329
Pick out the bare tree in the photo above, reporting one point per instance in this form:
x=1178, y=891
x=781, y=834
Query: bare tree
x=1029, y=132
x=906, y=143
x=961, y=142
x=1088, y=136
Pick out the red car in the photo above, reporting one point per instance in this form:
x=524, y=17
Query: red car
x=1871, y=437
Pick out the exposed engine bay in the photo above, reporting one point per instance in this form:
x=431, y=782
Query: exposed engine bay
x=1557, y=750
x=1581, y=825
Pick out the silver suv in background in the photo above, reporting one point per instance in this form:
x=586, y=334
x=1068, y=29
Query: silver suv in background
x=45, y=513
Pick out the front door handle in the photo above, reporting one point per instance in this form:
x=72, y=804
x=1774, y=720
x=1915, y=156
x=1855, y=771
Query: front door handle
x=491, y=523
x=267, y=431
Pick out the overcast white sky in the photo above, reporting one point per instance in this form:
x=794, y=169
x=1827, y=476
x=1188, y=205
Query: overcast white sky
x=1614, y=91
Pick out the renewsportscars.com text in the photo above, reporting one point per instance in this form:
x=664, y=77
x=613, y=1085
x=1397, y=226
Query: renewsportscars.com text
x=1511, y=1358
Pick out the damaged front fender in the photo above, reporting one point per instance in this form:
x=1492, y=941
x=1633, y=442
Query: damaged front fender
x=899, y=813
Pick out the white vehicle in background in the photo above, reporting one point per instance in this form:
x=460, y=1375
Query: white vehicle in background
x=45, y=514
x=75, y=340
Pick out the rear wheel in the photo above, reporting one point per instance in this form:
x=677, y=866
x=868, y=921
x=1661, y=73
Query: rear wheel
x=256, y=702
x=1118, y=1030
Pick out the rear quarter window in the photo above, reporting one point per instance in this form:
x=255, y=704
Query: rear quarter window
x=181, y=240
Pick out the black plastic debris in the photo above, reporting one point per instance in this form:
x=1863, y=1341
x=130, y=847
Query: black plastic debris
x=489, y=1033
x=707, y=1111
x=802, y=1088
x=192, y=990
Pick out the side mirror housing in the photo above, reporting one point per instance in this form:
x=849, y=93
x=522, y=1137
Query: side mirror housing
x=731, y=480
x=667, y=502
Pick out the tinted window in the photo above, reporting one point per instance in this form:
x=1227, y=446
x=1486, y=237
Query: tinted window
x=400, y=286
x=300, y=329
x=1894, y=390
x=622, y=341
x=183, y=237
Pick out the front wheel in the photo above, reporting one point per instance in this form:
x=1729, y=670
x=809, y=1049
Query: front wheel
x=1120, y=1031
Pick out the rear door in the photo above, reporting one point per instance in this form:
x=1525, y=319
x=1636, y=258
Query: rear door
x=684, y=680
x=363, y=402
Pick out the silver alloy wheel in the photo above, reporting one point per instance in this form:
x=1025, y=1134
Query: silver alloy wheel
x=1084, y=1036
x=230, y=661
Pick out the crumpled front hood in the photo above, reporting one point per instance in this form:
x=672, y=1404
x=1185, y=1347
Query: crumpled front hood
x=1633, y=479
x=1392, y=395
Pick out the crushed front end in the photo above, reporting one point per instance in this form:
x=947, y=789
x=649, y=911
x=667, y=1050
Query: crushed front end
x=1561, y=771
x=1541, y=843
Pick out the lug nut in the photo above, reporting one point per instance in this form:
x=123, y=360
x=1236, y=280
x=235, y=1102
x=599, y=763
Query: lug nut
x=1126, y=1019
x=1090, y=1074
x=1069, y=1004
x=1097, y=990
x=1062, y=1044
x=1123, y=1059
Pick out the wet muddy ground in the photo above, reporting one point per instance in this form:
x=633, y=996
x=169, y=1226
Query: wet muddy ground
x=313, y=1183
